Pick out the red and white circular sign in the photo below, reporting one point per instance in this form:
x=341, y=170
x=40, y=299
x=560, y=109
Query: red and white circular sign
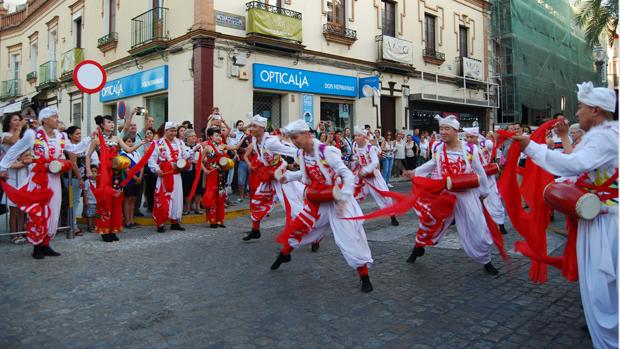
x=89, y=76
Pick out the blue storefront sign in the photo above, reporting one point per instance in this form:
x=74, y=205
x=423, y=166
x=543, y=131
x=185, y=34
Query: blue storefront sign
x=298, y=80
x=307, y=109
x=368, y=86
x=148, y=81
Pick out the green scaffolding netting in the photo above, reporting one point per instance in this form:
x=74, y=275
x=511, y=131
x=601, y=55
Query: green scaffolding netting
x=542, y=55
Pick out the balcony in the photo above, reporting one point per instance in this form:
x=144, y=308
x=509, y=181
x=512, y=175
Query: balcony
x=10, y=88
x=149, y=32
x=47, y=75
x=472, y=72
x=274, y=27
x=31, y=77
x=394, y=55
x=338, y=33
x=433, y=57
x=68, y=61
x=108, y=42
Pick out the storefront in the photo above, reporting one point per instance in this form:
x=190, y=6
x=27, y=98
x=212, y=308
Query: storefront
x=144, y=89
x=422, y=115
x=330, y=96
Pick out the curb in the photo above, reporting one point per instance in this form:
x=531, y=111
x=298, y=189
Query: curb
x=188, y=219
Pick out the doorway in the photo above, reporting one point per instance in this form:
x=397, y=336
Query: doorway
x=388, y=114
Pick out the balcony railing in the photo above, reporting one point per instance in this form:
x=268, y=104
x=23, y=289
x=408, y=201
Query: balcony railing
x=432, y=54
x=273, y=21
x=107, y=40
x=32, y=76
x=10, y=88
x=149, y=27
x=47, y=73
x=471, y=70
x=394, y=54
x=339, y=33
x=70, y=59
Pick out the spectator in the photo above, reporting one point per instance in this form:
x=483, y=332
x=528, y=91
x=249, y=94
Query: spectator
x=78, y=158
x=399, y=155
x=379, y=139
x=322, y=130
x=348, y=140
x=192, y=149
x=181, y=133
x=416, y=136
x=243, y=170
x=150, y=178
x=12, y=127
x=133, y=186
x=90, y=202
x=423, y=151
x=323, y=137
x=187, y=124
x=387, y=147
x=411, y=149
x=431, y=144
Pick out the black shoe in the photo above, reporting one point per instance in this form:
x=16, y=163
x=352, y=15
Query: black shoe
x=161, y=229
x=49, y=252
x=37, y=253
x=282, y=258
x=366, y=285
x=114, y=237
x=418, y=251
x=394, y=221
x=106, y=237
x=489, y=268
x=176, y=226
x=214, y=226
x=139, y=214
x=221, y=225
x=315, y=246
x=254, y=234
x=503, y=229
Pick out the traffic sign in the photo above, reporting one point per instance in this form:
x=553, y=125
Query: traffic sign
x=89, y=76
x=121, y=109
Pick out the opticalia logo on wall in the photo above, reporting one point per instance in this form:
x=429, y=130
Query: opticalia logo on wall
x=136, y=84
x=286, y=79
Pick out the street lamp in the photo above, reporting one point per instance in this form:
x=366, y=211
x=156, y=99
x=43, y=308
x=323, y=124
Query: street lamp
x=598, y=54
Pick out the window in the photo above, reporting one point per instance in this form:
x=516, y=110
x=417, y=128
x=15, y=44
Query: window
x=52, y=44
x=268, y=106
x=339, y=112
x=112, y=19
x=389, y=18
x=463, y=37
x=429, y=31
x=34, y=52
x=336, y=12
x=77, y=32
x=76, y=109
x=15, y=66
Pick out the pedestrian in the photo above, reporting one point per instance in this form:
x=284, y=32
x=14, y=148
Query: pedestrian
x=411, y=149
x=132, y=188
x=12, y=128
x=423, y=152
x=595, y=163
x=399, y=156
x=150, y=178
x=192, y=150
x=243, y=169
x=321, y=167
x=77, y=155
x=90, y=202
x=387, y=148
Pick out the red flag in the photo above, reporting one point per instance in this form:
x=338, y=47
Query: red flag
x=137, y=167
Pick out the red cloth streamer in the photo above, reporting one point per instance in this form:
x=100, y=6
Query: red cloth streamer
x=161, y=211
x=104, y=178
x=496, y=235
x=137, y=167
x=197, y=178
x=531, y=225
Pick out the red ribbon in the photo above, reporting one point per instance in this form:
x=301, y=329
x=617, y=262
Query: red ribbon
x=137, y=167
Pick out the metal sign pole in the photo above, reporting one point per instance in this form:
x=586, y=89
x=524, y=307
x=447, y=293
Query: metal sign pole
x=88, y=113
x=71, y=232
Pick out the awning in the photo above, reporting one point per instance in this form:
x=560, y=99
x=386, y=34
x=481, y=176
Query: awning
x=14, y=107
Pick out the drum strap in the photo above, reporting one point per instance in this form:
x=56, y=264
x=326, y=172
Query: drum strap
x=174, y=153
x=604, y=191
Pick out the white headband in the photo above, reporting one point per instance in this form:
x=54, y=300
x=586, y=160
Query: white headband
x=258, y=121
x=297, y=126
x=47, y=113
x=472, y=131
x=357, y=130
x=596, y=96
x=449, y=120
x=170, y=124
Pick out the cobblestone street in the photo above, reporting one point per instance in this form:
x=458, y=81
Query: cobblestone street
x=205, y=288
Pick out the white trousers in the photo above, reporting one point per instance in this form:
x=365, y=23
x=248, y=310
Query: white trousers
x=379, y=183
x=493, y=202
x=294, y=192
x=176, y=200
x=350, y=236
x=597, y=256
x=53, y=183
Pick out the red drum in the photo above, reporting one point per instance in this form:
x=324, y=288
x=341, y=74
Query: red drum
x=323, y=195
x=226, y=163
x=572, y=200
x=121, y=162
x=182, y=165
x=462, y=182
x=491, y=169
x=60, y=166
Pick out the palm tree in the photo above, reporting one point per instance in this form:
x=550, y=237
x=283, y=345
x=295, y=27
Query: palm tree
x=596, y=17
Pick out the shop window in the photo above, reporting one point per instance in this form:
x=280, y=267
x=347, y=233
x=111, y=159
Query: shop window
x=158, y=109
x=268, y=105
x=340, y=113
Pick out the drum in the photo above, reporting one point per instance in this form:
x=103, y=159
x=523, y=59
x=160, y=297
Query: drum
x=322, y=195
x=182, y=165
x=491, y=169
x=120, y=162
x=226, y=163
x=462, y=182
x=572, y=200
x=60, y=166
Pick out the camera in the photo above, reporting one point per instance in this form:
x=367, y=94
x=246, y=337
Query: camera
x=141, y=111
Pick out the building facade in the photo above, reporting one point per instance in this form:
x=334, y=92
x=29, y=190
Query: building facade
x=388, y=64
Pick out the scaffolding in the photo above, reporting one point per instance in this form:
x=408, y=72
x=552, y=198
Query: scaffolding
x=541, y=56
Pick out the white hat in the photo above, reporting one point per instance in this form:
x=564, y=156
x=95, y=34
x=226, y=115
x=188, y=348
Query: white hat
x=596, y=96
x=472, y=131
x=297, y=126
x=358, y=130
x=170, y=124
x=258, y=121
x=449, y=120
x=47, y=113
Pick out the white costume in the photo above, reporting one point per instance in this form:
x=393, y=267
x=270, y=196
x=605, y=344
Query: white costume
x=366, y=169
x=597, y=239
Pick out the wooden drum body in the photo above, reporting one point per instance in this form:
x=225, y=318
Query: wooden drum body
x=182, y=165
x=462, y=182
x=572, y=200
x=491, y=169
x=323, y=195
x=226, y=163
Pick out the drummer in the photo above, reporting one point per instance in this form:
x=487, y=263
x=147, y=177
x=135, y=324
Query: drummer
x=451, y=158
x=595, y=161
x=492, y=202
x=167, y=160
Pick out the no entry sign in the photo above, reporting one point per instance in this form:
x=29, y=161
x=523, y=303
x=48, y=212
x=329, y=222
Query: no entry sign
x=89, y=76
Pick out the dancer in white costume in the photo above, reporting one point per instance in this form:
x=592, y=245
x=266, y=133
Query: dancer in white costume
x=493, y=201
x=595, y=161
x=269, y=149
x=366, y=168
x=450, y=157
x=321, y=169
x=168, y=151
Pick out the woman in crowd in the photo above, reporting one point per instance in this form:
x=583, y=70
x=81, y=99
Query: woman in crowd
x=387, y=148
x=181, y=133
x=243, y=169
x=12, y=127
x=149, y=178
x=378, y=138
x=423, y=150
x=77, y=155
x=193, y=149
x=399, y=155
x=132, y=188
x=110, y=199
x=411, y=151
x=323, y=137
